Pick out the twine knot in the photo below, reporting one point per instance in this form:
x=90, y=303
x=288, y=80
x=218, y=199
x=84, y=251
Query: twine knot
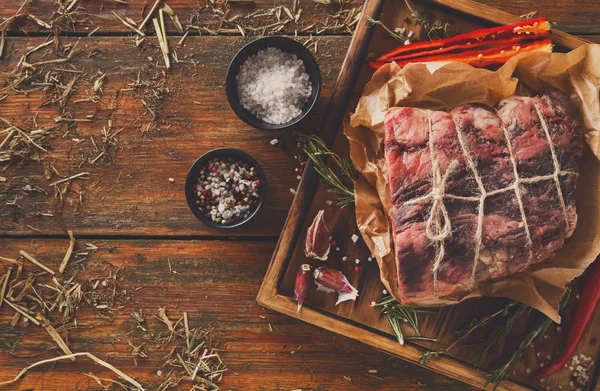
x=438, y=215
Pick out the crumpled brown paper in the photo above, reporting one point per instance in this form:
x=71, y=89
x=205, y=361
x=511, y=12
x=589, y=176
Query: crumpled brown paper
x=443, y=85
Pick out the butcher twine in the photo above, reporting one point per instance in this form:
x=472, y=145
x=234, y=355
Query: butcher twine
x=439, y=227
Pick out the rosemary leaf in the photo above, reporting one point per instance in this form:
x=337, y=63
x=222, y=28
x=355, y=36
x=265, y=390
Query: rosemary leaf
x=319, y=154
x=397, y=313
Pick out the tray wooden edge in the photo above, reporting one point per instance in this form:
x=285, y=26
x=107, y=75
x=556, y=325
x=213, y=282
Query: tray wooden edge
x=444, y=365
x=268, y=295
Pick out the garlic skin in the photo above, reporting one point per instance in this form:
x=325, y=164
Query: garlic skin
x=317, y=238
x=329, y=280
x=302, y=284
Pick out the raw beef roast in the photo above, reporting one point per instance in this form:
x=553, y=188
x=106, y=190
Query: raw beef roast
x=479, y=192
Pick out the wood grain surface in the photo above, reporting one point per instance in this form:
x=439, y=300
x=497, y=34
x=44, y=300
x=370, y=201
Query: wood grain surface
x=131, y=194
x=138, y=217
x=216, y=283
x=572, y=16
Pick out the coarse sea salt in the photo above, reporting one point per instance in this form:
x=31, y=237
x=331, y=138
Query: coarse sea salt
x=273, y=85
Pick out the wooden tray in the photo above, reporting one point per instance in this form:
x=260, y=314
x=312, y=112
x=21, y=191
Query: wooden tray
x=359, y=320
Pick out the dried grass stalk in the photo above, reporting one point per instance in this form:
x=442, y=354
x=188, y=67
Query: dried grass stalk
x=5, y=280
x=129, y=25
x=174, y=18
x=68, y=254
x=58, y=339
x=98, y=361
x=36, y=262
x=23, y=312
x=69, y=178
x=147, y=18
x=162, y=42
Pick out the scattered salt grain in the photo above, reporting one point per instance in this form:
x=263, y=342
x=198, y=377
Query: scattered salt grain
x=329, y=202
x=344, y=259
x=274, y=141
x=159, y=373
x=373, y=304
x=273, y=85
x=171, y=180
x=407, y=42
x=385, y=292
x=528, y=371
x=298, y=177
x=292, y=191
x=337, y=249
x=357, y=261
x=400, y=30
x=354, y=238
x=410, y=34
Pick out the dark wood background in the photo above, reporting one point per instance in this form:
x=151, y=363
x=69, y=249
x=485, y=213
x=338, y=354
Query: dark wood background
x=140, y=217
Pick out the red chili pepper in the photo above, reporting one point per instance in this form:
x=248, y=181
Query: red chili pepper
x=357, y=269
x=589, y=298
x=464, y=48
x=482, y=58
x=538, y=26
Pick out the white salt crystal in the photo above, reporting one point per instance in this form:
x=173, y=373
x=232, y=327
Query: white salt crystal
x=274, y=141
x=273, y=85
x=354, y=238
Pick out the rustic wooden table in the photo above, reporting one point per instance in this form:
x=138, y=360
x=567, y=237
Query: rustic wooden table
x=133, y=207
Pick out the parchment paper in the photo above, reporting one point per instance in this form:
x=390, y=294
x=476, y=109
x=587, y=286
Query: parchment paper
x=444, y=85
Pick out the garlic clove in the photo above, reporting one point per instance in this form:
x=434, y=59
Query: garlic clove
x=302, y=284
x=317, y=238
x=332, y=279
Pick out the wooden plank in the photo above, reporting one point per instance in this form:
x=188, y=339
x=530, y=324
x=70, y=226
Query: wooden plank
x=568, y=13
x=499, y=17
x=216, y=281
x=131, y=194
x=359, y=318
x=313, y=18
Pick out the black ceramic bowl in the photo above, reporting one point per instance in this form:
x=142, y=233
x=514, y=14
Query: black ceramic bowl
x=194, y=173
x=286, y=45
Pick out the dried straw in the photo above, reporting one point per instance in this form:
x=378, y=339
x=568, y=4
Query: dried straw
x=98, y=361
x=67, y=257
x=36, y=262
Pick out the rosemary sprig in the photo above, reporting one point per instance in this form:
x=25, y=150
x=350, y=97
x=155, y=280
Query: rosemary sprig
x=343, y=186
x=463, y=334
x=501, y=331
x=397, y=313
x=373, y=22
x=538, y=330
